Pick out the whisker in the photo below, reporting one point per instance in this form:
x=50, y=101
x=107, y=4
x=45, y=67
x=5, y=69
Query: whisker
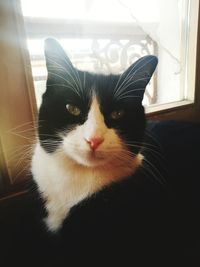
x=18, y=157
x=74, y=71
x=129, y=91
x=64, y=69
x=30, y=130
x=134, y=70
x=19, y=135
x=126, y=85
x=80, y=84
x=84, y=74
x=127, y=79
x=22, y=171
x=24, y=158
x=163, y=181
x=143, y=146
x=118, y=81
x=142, y=143
x=72, y=88
x=149, y=171
x=68, y=82
x=149, y=134
x=131, y=96
x=146, y=148
x=152, y=166
x=22, y=125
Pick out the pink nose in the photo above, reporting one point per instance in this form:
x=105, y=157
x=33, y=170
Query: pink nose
x=95, y=142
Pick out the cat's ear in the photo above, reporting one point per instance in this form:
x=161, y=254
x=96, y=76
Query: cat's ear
x=136, y=77
x=55, y=55
x=59, y=66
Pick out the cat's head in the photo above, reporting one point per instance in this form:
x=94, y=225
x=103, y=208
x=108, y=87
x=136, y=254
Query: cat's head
x=92, y=118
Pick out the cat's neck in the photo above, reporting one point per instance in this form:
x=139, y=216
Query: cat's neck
x=112, y=171
x=63, y=183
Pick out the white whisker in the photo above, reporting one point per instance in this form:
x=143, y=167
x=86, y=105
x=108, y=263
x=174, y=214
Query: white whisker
x=129, y=92
x=130, y=96
x=67, y=72
x=22, y=125
x=126, y=85
x=156, y=169
x=133, y=74
x=68, y=83
x=84, y=74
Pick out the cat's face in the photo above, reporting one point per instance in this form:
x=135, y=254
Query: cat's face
x=93, y=119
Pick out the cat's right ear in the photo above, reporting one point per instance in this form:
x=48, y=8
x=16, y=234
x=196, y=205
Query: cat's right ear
x=57, y=61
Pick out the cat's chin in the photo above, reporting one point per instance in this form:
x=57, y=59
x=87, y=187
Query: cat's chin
x=93, y=164
x=90, y=160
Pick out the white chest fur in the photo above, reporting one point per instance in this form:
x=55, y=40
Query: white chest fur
x=63, y=183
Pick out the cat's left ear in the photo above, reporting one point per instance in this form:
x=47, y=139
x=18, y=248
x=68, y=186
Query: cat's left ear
x=137, y=76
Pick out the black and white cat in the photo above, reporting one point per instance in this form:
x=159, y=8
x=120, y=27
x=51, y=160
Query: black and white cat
x=98, y=169
x=90, y=131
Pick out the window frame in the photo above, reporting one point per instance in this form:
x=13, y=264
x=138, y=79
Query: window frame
x=18, y=103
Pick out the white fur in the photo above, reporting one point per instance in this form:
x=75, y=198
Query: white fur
x=74, y=172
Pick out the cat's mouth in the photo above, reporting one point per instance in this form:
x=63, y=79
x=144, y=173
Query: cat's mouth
x=95, y=156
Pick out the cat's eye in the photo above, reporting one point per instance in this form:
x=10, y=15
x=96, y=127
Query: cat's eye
x=73, y=110
x=117, y=114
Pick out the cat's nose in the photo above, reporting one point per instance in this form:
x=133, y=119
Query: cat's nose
x=95, y=142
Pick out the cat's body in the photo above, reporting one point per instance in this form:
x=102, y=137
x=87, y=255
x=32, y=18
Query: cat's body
x=91, y=129
x=69, y=183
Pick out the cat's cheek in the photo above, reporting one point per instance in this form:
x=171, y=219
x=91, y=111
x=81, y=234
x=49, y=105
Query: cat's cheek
x=74, y=146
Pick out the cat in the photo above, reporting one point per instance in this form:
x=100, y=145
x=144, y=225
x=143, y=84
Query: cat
x=96, y=197
x=90, y=131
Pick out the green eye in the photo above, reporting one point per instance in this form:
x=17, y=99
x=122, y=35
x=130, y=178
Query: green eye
x=117, y=114
x=73, y=110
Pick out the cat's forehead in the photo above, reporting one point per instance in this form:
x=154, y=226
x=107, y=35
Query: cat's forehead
x=101, y=87
x=88, y=87
x=98, y=83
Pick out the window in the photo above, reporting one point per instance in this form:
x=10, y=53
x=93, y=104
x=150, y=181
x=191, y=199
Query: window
x=107, y=36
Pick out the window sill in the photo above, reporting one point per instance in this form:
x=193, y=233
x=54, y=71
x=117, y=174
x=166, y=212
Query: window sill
x=159, y=109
